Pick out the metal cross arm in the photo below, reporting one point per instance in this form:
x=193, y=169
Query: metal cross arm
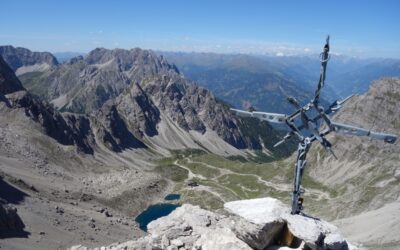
x=263, y=116
x=352, y=130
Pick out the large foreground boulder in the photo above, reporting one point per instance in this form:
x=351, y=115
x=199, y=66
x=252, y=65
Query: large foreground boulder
x=298, y=230
x=247, y=224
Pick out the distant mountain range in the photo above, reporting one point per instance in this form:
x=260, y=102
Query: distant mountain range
x=154, y=103
x=63, y=57
x=243, y=80
x=359, y=79
x=265, y=81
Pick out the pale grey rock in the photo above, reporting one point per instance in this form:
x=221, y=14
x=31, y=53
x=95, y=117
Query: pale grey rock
x=78, y=247
x=258, y=211
x=313, y=232
x=335, y=241
x=190, y=227
x=258, y=236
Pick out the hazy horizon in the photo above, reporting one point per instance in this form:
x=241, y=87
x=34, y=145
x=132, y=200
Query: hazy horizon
x=357, y=28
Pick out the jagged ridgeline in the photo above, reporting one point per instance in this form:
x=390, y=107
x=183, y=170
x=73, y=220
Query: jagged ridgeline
x=136, y=99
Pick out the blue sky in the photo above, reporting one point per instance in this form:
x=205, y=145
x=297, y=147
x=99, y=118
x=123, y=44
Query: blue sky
x=358, y=28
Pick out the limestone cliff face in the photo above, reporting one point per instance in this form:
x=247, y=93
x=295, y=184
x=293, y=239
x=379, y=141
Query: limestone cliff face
x=171, y=106
x=68, y=130
x=84, y=84
x=250, y=224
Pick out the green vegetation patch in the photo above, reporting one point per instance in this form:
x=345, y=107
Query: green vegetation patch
x=201, y=169
x=32, y=81
x=173, y=172
x=202, y=198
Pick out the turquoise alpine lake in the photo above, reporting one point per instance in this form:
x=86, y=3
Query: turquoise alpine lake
x=172, y=197
x=154, y=212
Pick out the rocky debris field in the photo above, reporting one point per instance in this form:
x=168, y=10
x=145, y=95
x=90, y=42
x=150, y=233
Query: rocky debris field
x=64, y=198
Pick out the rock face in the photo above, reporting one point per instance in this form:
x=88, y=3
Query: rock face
x=252, y=224
x=171, y=101
x=17, y=58
x=8, y=81
x=84, y=84
x=68, y=129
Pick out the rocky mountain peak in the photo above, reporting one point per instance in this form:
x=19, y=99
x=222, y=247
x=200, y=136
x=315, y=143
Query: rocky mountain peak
x=131, y=60
x=17, y=57
x=84, y=84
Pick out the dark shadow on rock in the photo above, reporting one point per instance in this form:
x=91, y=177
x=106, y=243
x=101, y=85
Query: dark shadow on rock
x=10, y=193
x=309, y=216
x=11, y=225
x=4, y=234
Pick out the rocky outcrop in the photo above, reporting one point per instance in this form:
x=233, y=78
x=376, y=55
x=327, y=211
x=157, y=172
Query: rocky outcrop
x=21, y=57
x=298, y=229
x=8, y=81
x=251, y=224
x=114, y=130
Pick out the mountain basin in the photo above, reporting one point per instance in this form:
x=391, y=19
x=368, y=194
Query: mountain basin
x=154, y=212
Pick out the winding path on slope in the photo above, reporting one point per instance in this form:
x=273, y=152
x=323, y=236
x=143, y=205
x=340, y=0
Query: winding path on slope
x=280, y=187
